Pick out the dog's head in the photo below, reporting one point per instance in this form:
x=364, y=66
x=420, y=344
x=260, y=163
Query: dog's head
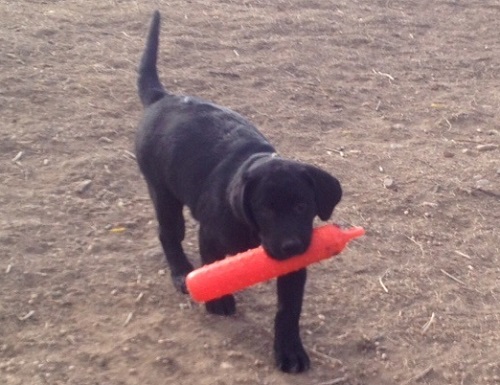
x=280, y=198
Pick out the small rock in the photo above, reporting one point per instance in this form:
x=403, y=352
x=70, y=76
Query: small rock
x=258, y=363
x=81, y=187
x=397, y=126
x=45, y=162
x=33, y=298
x=486, y=147
x=185, y=305
x=226, y=365
x=493, y=132
x=389, y=183
x=153, y=254
x=482, y=184
x=448, y=154
x=93, y=247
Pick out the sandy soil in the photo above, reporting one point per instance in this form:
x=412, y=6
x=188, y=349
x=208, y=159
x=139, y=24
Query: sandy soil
x=399, y=99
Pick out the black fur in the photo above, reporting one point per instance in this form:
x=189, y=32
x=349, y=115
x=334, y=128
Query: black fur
x=211, y=159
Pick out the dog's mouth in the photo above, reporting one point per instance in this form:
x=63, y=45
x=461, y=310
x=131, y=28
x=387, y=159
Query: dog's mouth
x=286, y=249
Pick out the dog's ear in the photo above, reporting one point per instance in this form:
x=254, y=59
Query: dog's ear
x=239, y=192
x=327, y=191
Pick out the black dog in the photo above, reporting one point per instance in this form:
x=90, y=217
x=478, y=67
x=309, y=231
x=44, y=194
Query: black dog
x=209, y=158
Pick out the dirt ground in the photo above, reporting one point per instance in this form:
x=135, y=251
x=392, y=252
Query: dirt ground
x=399, y=99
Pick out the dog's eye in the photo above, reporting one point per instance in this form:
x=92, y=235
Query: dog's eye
x=299, y=208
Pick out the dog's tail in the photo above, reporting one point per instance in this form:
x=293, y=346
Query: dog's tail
x=148, y=83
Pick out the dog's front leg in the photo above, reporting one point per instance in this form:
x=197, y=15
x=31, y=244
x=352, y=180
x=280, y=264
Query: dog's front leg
x=289, y=352
x=211, y=251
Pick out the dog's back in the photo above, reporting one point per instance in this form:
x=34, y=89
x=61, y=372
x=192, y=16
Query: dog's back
x=182, y=139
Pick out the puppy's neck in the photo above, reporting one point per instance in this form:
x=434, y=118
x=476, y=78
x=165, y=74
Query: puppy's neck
x=257, y=159
x=238, y=184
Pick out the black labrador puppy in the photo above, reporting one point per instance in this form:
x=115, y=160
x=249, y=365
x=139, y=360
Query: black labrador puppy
x=209, y=158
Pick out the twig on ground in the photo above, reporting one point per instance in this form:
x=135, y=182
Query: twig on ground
x=128, y=319
x=463, y=254
x=18, y=156
x=428, y=324
x=382, y=284
x=419, y=376
x=340, y=152
x=26, y=316
x=453, y=277
x=391, y=78
x=129, y=154
x=334, y=381
x=327, y=357
x=418, y=244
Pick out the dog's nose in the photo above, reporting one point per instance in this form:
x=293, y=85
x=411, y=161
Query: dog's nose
x=292, y=247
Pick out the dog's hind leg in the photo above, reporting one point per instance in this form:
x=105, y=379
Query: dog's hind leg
x=171, y=233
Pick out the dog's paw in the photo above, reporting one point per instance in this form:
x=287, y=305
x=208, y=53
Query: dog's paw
x=223, y=306
x=179, y=282
x=291, y=358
